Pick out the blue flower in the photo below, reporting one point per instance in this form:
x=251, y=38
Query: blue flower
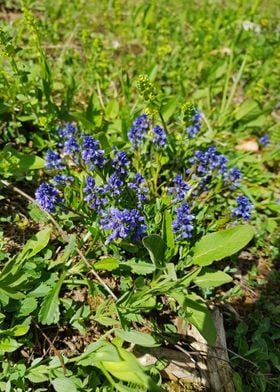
x=69, y=131
x=47, y=196
x=205, y=164
x=62, y=179
x=193, y=129
x=70, y=146
x=95, y=195
x=91, y=153
x=120, y=162
x=138, y=130
x=138, y=179
x=208, y=161
x=234, y=177
x=264, y=140
x=114, y=185
x=90, y=184
x=141, y=190
x=123, y=224
x=160, y=136
x=54, y=161
x=183, y=224
x=179, y=189
x=243, y=209
x=68, y=136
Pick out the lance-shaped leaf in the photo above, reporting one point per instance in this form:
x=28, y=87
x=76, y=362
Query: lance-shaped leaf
x=49, y=312
x=217, y=246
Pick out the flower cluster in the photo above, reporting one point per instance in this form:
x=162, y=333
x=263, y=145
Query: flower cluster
x=48, y=197
x=146, y=88
x=138, y=186
x=114, y=185
x=138, y=130
x=209, y=163
x=54, y=161
x=234, y=176
x=193, y=129
x=120, y=185
x=120, y=163
x=117, y=196
x=91, y=152
x=62, y=179
x=69, y=139
x=123, y=224
x=264, y=140
x=160, y=138
x=183, y=223
x=95, y=195
x=243, y=209
x=179, y=189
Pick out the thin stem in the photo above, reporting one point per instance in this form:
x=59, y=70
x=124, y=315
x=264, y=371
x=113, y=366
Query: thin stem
x=76, y=212
x=223, y=104
x=99, y=94
x=56, y=352
x=103, y=337
x=234, y=87
x=163, y=121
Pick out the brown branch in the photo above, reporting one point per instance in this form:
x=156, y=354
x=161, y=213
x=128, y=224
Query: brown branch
x=56, y=352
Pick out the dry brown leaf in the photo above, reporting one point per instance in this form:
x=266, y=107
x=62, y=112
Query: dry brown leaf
x=248, y=145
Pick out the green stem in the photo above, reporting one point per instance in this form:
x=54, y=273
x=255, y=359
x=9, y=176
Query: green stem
x=163, y=121
x=156, y=174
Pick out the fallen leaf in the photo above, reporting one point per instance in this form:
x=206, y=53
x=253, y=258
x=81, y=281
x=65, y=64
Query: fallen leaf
x=248, y=145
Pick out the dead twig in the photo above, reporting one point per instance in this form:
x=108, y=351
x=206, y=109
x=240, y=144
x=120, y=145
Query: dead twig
x=54, y=349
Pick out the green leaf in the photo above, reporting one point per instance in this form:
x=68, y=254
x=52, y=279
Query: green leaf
x=17, y=330
x=136, y=337
x=169, y=108
x=15, y=294
x=107, y=263
x=220, y=71
x=129, y=369
x=104, y=142
x=49, y=312
x=140, y=268
x=156, y=248
x=35, y=244
x=38, y=374
x=257, y=122
x=105, y=320
x=197, y=313
x=248, y=110
x=64, y=256
x=80, y=116
x=98, y=352
x=112, y=109
x=28, y=305
x=186, y=280
x=37, y=214
x=217, y=246
x=13, y=162
x=63, y=384
x=122, y=364
x=210, y=278
x=8, y=345
x=168, y=235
